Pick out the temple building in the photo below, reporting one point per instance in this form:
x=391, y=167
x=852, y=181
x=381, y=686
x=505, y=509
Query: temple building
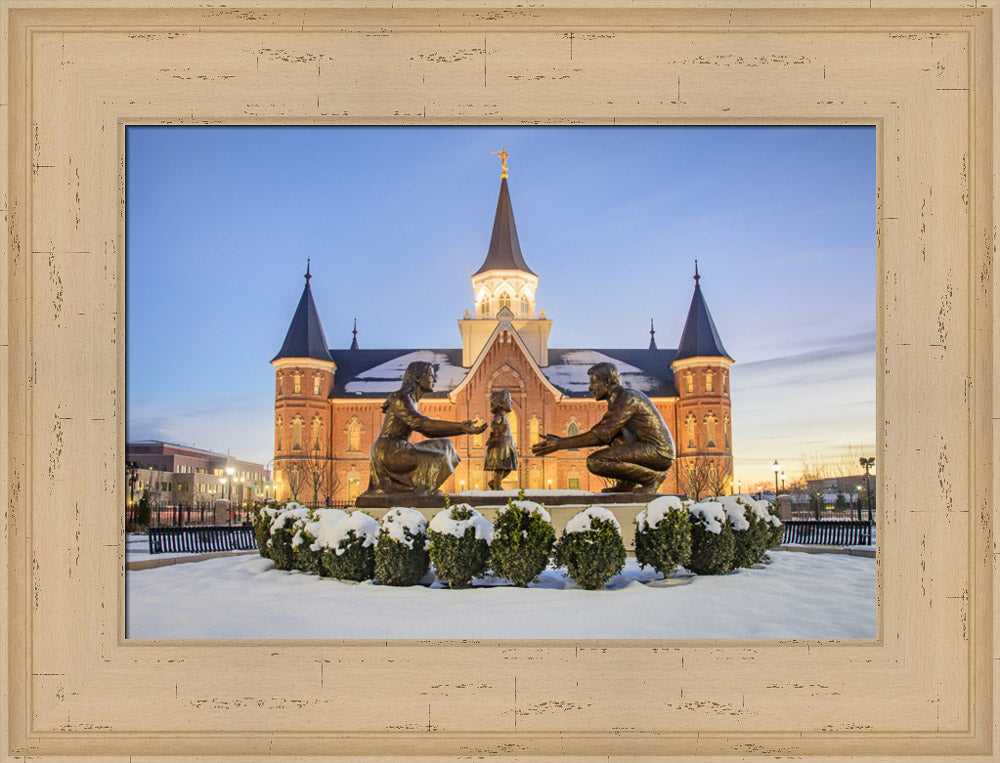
x=327, y=405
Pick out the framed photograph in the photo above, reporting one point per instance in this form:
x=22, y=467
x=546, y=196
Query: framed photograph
x=78, y=78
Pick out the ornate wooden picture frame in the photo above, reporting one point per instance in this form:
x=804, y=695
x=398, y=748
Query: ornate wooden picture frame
x=75, y=77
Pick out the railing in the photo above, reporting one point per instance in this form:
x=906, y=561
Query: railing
x=829, y=532
x=201, y=539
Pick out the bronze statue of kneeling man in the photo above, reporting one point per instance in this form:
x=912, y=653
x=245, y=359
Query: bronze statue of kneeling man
x=399, y=466
x=640, y=448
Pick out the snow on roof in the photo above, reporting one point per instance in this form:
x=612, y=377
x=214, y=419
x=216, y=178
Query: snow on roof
x=386, y=377
x=571, y=374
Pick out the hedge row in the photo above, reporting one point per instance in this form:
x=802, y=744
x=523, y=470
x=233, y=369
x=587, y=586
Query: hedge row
x=709, y=538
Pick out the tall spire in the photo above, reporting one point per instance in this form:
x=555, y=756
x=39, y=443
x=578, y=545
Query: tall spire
x=700, y=338
x=305, y=337
x=354, y=342
x=505, y=249
x=652, y=335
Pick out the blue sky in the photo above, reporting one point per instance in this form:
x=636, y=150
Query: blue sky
x=220, y=221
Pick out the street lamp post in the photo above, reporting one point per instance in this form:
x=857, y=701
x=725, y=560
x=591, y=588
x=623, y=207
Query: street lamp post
x=230, y=471
x=857, y=501
x=776, y=467
x=867, y=464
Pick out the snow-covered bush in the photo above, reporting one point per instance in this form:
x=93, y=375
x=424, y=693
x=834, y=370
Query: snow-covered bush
x=459, y=540
x=591, y=548
x=280, y=544
x=347, y=545
x=261, y=519
x=307, y=555
x=522, y=541
x=751, y=527
x=713, y=547
x=663, y=535
x=401, y=556
x=776, y=533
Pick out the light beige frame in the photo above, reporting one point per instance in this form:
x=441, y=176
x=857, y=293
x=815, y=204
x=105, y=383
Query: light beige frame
x=925, y=76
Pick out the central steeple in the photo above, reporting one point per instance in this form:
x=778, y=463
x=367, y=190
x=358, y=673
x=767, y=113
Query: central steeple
x=504, y=280
x=505, y=249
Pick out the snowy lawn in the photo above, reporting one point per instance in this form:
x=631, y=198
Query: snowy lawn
x=814, y=596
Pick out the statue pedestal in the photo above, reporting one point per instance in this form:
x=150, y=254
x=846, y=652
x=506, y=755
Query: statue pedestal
x=562, y=505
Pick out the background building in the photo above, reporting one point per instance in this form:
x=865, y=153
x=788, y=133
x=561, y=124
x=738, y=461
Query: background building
x=328, y=402
x=191, y=478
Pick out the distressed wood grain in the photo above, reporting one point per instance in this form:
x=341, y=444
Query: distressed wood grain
x=922, y=72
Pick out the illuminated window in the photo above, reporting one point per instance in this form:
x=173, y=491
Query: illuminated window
x=710, y=425
x=277, y=435
x=317, y=433
x=572, y=430
x=725, y=381
x=725, y=429
x=484, y=306
x=573, y=483
x=689, y=425
x=354, y=434
x=316, y=384
x=690, y=381
x=709, y=381
x=533, y=430
x=503, y=301
x=353, y=488
x=297, y=383
x=297, y=433
x=525, y=305
x=535, y=480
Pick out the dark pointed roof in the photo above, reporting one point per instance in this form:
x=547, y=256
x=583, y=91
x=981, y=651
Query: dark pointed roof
x=652, y=335
x=700, y=338
x=305, y=334
x=505, y=249
x=354, y=342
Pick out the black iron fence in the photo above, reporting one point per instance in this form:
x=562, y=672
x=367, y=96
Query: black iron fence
x=830, y=532
x=201, y=539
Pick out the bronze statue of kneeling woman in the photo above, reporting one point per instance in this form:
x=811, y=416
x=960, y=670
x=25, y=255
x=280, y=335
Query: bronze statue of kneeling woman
x=399, y=466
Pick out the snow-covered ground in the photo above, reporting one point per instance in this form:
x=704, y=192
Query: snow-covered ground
x=797, y=595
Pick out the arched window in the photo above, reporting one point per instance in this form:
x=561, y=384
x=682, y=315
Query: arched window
x=317, y=382
x=725, y=381
x=689, y=425
x=525, y=305
x=534, y=434
x=503, y=301
x=710, y=425
x=277, y=435
x=297, y=383
x=278, y=378
x=690, y=381
x=725, y=429
x=317, y=433
x=353, y=485
x=709, y=381
x=354, y=434
x=484, y=306
x=297, y=433
x=572, y=430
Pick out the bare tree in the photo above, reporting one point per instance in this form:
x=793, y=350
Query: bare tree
x=317, y=473
x=295, y=472
x=696, y=476
x=718, y=477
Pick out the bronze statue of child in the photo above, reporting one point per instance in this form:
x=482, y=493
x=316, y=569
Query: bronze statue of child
x=501, y=453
